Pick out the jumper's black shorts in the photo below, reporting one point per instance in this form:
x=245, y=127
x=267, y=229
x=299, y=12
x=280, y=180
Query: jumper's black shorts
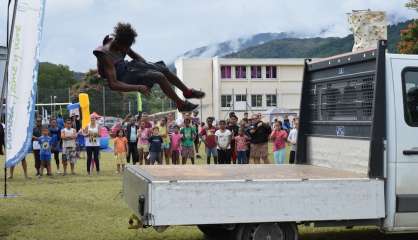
x=137, y=72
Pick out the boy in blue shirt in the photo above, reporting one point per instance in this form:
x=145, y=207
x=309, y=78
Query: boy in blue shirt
x=155, y=142
x=45, y=151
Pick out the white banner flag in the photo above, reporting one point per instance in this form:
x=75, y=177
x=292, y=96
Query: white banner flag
x=22, y=79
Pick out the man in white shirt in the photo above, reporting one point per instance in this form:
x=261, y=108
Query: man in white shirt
x=223, y=139
x=131, y=135
x=292, y=140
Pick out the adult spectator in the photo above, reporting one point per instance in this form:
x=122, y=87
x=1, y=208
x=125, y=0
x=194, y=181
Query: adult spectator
x=245, y=118
x=92, y=141
x=2, y=146
x=163, y=129
x=171, y=123
x=196, y=123
x=24, y=167
x=125, y=121
x=293, y=139
x=209, y=139
x=132, y=136
x=259, y=133
x=244, y=124
x=36, y=133
x=180, y=119
x=234, y=128
x=60, y=121
x=55, y=134
x=231, y=114
x=286, y=124
x=145, y=118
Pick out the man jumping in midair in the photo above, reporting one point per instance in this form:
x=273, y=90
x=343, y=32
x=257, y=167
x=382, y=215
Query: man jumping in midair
x=138, y=74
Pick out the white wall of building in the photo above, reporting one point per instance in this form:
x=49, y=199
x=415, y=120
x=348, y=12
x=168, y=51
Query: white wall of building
x=205, y=74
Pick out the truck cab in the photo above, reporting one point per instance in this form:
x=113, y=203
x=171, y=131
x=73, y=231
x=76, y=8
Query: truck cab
x=401, y=169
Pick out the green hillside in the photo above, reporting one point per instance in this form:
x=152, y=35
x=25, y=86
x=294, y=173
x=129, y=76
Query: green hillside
x=312, y=47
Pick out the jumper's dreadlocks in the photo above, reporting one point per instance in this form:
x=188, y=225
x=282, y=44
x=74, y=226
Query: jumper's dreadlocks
x=124, y=34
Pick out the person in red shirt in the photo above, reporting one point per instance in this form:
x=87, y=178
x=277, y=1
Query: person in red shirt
x=279, y=137
x=209, y=139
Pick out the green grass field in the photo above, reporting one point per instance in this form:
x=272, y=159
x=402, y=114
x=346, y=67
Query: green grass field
x=90, y=207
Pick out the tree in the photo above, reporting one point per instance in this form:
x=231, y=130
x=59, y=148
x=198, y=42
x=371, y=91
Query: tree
x=54, y=80
x=412, y=4
x=409, y=36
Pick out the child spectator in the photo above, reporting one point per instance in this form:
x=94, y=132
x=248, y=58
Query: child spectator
x=188, y=133
x=175, y=145
x=241, y=145
x=155, y=143
x=120, y=150
x=293, y=139
x=45, y=151
x=166, y=140
x=143, y=145
x=279, y=136
x=209, y=139
x=223, y=138
x=69, y=152
x=55, y=134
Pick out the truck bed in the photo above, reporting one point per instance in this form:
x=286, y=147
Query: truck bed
x=221, y=194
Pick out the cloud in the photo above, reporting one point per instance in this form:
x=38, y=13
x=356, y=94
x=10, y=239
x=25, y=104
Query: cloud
x=167, y=28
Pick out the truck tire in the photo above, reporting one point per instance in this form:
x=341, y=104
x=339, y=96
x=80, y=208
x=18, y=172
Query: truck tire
x=262, y=231
x=217, y=232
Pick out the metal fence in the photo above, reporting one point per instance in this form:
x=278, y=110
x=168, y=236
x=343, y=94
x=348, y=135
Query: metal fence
x=102, y=101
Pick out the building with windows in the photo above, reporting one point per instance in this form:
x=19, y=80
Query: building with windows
x=243, y=85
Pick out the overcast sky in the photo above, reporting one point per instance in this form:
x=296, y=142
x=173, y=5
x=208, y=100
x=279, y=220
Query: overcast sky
x=167, y=28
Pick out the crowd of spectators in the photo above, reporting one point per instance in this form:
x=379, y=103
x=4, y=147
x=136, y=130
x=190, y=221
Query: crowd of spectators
x=167, y=140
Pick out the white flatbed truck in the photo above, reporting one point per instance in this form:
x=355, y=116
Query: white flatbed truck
x=357, y=162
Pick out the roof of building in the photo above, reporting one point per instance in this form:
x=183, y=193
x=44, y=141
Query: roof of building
x=237, y=61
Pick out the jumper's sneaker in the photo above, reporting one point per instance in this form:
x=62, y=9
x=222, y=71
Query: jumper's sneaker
x=193, y=93
x=187, y=107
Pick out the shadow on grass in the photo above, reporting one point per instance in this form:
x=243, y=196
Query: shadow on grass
x=356, y=235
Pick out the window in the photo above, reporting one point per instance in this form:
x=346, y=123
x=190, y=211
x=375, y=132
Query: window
x=255, y=71
x=410, y=95
x=256, y=100
x=271, y=100
x=226, y=101
x=240, y=98
x=271, y=72
x=240, y=72
x=226, y=72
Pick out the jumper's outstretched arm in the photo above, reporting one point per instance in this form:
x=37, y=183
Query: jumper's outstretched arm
x=134, y=55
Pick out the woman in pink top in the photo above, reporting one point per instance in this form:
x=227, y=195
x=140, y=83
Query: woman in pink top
x=143, y=144
x=279, y=137
x=175, y=140
x=241, y=145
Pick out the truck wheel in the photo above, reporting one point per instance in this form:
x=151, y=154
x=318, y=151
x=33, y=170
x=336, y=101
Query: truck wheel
x=217, y=232
x=267, y=231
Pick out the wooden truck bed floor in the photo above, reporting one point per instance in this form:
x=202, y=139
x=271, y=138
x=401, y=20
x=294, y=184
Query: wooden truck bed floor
x=241, y=172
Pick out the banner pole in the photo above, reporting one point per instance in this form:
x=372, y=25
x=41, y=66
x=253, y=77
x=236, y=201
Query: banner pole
x=9, y=34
